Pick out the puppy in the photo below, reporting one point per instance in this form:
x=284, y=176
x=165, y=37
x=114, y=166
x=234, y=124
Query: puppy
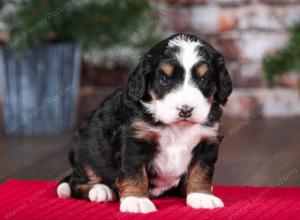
x=158, y=135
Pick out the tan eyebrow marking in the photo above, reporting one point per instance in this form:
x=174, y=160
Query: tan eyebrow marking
x=201, y=70
x=167, y=68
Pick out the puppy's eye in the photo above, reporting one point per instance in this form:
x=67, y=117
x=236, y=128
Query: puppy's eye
x=164, y=80
x=203, y=80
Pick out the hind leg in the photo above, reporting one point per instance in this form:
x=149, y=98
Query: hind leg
x=89, y=187
x=101, y=193
x=97, y=192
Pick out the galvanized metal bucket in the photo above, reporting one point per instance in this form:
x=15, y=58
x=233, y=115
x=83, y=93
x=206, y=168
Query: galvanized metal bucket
x=40, y=87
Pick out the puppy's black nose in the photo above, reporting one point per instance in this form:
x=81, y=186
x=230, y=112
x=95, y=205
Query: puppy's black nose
x=185, y=111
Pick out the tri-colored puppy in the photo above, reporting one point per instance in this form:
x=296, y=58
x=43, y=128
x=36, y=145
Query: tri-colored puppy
x=156, y=136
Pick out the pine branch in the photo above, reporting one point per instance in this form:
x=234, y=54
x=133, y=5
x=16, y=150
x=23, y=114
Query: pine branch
x=285, y=59
x=90, y=23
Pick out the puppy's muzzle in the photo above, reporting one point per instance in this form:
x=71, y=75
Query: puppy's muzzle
x=185, y=111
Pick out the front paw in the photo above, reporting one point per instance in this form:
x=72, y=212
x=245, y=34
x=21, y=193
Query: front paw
x=136, y=204
x=203, y=200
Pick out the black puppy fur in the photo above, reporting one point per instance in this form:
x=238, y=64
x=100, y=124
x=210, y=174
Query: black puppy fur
x=106, y=144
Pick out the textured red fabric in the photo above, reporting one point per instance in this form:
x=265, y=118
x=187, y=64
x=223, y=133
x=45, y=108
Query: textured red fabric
x=28, y=200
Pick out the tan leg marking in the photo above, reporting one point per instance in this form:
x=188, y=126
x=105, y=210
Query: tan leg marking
x=134, y=194
x=137, y=187
x=199, y=193
x=197, y=180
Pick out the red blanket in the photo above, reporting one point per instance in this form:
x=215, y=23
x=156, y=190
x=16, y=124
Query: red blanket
x=28, y=200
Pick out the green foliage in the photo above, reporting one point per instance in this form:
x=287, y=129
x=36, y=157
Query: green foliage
x=92, y=23
x=285, y=59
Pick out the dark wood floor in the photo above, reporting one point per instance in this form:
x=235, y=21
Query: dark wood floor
x=257, y=152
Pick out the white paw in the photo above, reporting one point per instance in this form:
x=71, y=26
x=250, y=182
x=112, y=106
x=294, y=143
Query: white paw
x=101, y=193
x=63, y=191
x=203, y=200
x=135, y=204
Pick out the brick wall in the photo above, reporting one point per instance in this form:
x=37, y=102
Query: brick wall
x=244, y=31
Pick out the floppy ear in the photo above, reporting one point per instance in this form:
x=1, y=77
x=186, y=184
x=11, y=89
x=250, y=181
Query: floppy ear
x=136, y=84
x=224, y=85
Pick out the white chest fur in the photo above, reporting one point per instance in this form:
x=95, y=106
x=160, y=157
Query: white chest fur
x=176, y=144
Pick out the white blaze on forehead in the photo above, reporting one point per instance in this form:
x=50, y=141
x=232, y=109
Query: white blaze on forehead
x=187, y=55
